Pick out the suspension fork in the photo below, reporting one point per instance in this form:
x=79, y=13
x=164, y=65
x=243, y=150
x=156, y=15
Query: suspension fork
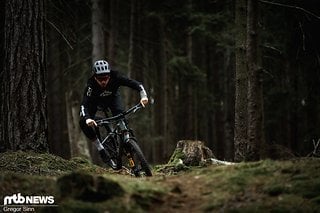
x=126, y=136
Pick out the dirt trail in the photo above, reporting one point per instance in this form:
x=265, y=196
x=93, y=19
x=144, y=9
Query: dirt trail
x=187, y=194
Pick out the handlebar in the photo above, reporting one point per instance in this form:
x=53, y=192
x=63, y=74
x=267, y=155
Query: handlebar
x=119, y=116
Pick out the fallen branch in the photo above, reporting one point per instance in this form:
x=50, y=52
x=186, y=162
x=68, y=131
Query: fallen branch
x=316, y=150
x=220, y=162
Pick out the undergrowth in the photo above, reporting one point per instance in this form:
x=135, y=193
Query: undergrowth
x=79, y=186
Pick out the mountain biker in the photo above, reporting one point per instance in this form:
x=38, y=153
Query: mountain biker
x=102, y=90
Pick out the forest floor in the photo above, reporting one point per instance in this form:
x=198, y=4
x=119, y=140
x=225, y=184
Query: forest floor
x=79, y=186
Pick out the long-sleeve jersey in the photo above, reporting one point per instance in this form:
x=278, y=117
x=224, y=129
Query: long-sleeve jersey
x=95, y=96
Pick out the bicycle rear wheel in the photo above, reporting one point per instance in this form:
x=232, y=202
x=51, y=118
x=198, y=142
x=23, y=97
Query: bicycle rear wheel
x=140, y=165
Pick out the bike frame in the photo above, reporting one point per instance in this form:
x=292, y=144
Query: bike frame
x=121, y=132
x=121, y=126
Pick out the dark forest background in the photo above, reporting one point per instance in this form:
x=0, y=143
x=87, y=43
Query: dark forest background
x=191, y=57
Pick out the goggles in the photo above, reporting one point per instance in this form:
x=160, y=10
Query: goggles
x=102, y=77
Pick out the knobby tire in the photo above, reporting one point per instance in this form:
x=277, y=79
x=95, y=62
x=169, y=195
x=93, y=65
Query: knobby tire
x=139, y=159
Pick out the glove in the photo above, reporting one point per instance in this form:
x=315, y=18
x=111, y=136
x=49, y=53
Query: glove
x=144, y=101
x=91, y=122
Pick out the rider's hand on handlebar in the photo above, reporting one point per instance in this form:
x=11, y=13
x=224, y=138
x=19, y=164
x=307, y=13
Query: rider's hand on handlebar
x=91, y=122
x=144, y=101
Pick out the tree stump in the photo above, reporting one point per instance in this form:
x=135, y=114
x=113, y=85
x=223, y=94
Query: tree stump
x=192, y=153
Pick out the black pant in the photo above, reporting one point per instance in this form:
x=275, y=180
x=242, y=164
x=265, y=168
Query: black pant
x=116, y=107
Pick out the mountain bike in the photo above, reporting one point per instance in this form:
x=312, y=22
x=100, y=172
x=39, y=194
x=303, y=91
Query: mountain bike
x=121, y=144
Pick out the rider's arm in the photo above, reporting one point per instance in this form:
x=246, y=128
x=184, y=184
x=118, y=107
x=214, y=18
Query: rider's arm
x=84, y=107
x=124, y=81
x=85, y=102
x=143, y=96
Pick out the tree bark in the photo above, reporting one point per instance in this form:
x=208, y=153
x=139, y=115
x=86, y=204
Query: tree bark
x=135, y=54
x=24, y=109
x=98, y=34
x=192, y=153
x=241, y=83
x=78, y=142
x=216, y=91
x=160, y=112
x=2, y=20
x=255, y=101
x=57, y=134
x=228, y=101
x=113, y=15
x=191, y=104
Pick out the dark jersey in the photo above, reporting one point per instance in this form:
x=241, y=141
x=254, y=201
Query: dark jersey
x=95, y=96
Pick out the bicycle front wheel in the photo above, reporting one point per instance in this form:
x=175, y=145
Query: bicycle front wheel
x=139, y=165
x=112, y=147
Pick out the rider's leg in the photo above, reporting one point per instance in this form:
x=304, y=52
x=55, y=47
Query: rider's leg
x=102, y=152
x=90, y=133
x=116, y=105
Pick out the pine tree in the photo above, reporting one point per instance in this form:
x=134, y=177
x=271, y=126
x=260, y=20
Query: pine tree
x=24, y=109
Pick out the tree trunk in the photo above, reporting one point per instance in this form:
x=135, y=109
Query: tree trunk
x=210, y=110
x=214, y=111
x=57, y=124
x=98, y=35
x=2, y=52
x=2, y=20
x=216, y=91
x=24, y=110
x=241, y=83
x=113, y=15
x=255, y=101
x=191, y=122
x=159, y=58
x=135, y=54
x=78, y=143
x=228, y=101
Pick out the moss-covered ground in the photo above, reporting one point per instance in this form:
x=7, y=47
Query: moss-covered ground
x=79, y=186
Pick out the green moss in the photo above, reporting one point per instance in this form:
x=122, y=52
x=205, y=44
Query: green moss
x=147, y=198
x=264, y=186
x=86, y=187
x=45, y=164
x=215, y=202
x=71, y=205
x=81, y=161
x=174, y=165
x=176, y=156
x=79, y=186
x=35, y=163
x=316, y=200
x=308, y=189
x=12, y=183
x=274, y=189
